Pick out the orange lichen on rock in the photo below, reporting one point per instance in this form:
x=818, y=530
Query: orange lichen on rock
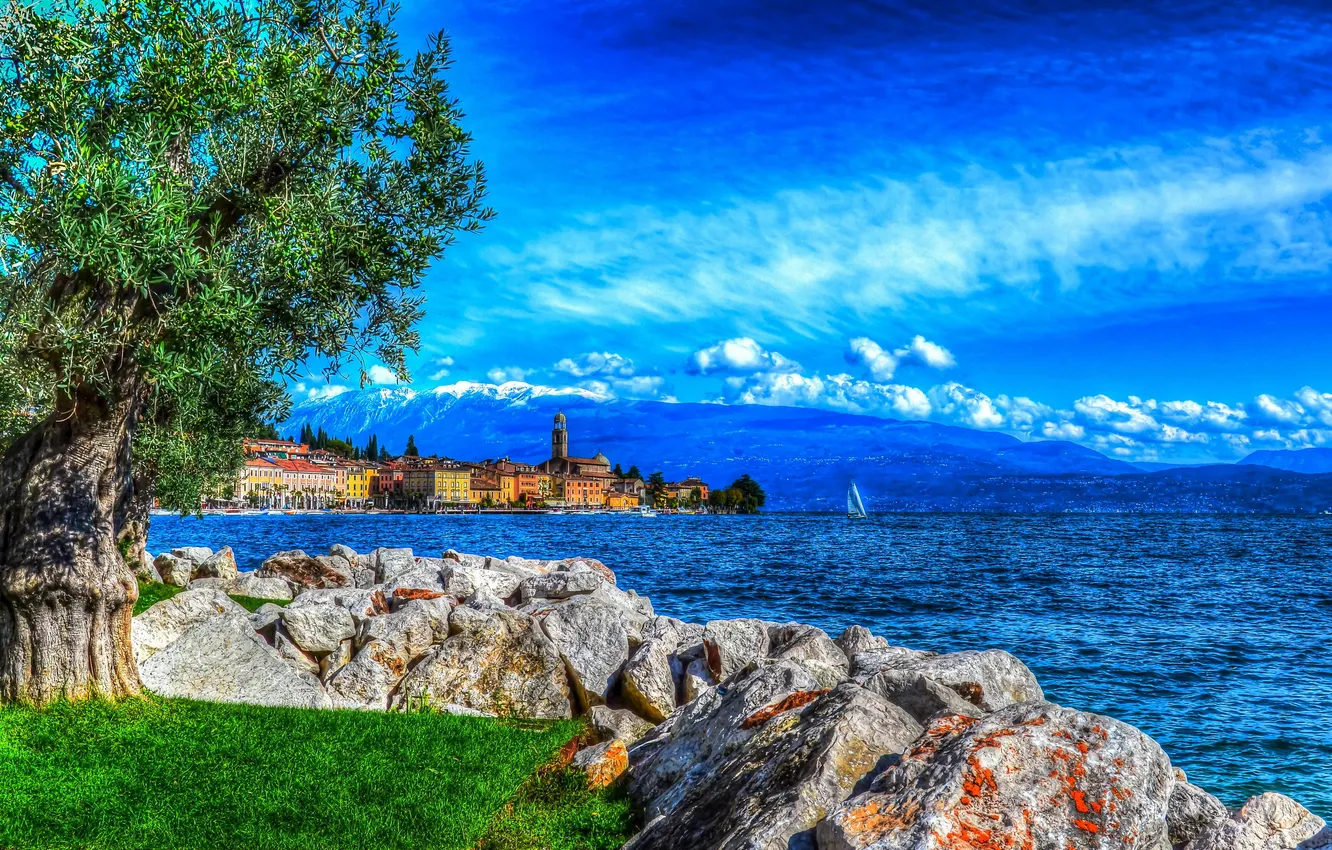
x=407, y=593
x=605, y=770
x=799, y=699
x=876, y=819
x=1086, y=826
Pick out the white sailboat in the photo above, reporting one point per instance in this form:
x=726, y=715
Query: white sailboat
x=855, y=508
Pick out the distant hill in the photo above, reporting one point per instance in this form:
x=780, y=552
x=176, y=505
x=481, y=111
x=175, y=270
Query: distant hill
x=1309, y=461
x=803, y=457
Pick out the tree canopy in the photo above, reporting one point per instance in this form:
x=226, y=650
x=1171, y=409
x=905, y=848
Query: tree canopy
x=197, y=198
x=743, y=496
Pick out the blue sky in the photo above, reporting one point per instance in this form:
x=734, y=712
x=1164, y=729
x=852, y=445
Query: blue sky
x=1101, y=222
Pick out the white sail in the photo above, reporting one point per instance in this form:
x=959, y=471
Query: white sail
x=854, y=507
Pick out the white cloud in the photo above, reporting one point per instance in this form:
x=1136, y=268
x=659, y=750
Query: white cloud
x=636, y=387
x=1277, y=410
x=967, y=406
x=882, y=364
x=596, y=363
x=741, y=355
x=1069, y=233
x=318, y=391
x=1123, y=417
x=838, y=392
x=1318, y=405
x=439, y=368
x=504, y=374
x=923, y=351
x=379, y=374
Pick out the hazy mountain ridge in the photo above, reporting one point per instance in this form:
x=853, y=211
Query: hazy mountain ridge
x=803, y=456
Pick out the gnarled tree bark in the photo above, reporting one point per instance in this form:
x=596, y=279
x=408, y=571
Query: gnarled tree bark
x=66, y=594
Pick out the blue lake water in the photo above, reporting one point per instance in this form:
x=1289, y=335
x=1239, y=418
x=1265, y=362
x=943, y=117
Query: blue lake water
x=1212, y=634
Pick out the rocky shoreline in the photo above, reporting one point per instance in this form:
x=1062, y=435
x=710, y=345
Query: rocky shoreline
x=730, y=734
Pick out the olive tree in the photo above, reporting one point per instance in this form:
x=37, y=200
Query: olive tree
x=197, y=200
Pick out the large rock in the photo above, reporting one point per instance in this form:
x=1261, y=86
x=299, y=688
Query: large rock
x=290, y=652
x=261, y=587
x=807, y=754
x=602, y=763
x=361, y=604
x=685, y=749
x=388, y=564
x=1266, y=822
x=462, y=581
x=732, y=644
x=811, y=648
x=221, y=564
x=919, y=696
x=223, y=660
x=989, y=680
x=318, y=628
x=858, y=639
x=1192, y=812
x=347, y=553
x=368, y=681
x=647, y=684
x=167, y=621
x=1033, y=775
x=617, y=724
x=592, y=639
x=870, y=661
x=174, y=569
x=421, y=577
x=194, y=554
x=696, y=679
x=498, y=663
x=560, y=585
x=415, y=627
x=304, y=571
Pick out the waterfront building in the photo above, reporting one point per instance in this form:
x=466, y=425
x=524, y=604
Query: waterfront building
x=582, y=491
x=442, y=482
x=590, y=477
x=260, y=483
x=359, y=480
x=282, y=449
x=691, y=490
x=485, y=489
x=620, y=501
x=307, y=485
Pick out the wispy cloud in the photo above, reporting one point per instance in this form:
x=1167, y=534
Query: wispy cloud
x=1087, y=233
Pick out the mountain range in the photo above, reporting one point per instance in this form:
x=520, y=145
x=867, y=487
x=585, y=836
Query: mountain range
x=805, y=457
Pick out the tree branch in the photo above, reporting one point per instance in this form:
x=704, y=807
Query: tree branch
x=7, y=177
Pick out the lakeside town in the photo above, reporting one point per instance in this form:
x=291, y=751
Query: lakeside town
x=318, y=473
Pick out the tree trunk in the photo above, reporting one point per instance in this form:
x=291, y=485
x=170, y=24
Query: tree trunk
x=66, y=594
x=132, y=517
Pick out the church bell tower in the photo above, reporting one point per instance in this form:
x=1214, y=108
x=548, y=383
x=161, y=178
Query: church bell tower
x=559, y=438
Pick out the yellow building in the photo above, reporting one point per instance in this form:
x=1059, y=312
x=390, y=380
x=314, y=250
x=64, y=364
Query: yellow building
x=449, y=484
x=620, y=501
x=360, y=485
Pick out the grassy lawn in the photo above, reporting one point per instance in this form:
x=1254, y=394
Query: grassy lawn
x=151, y=594
x=167, y=774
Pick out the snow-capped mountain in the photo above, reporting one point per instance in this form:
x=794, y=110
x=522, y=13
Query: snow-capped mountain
x=803, y=457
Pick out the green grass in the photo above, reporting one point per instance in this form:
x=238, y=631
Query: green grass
x=178, y=775
x=555, y=811
x=151, y=593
